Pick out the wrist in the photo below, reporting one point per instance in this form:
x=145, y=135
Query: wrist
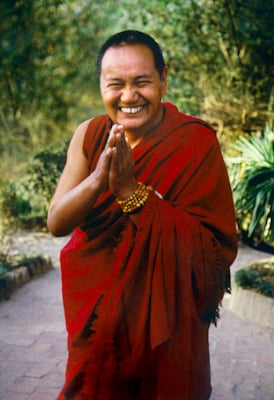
x=136, y=200
x=126, y=193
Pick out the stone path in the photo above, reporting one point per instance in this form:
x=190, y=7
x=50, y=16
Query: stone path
x=33, y=339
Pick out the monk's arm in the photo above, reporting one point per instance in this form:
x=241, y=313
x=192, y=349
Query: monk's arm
x=77, y=190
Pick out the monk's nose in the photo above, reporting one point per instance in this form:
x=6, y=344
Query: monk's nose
x=129, y=94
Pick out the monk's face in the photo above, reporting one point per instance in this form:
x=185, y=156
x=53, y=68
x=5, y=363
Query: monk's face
x=131, y=88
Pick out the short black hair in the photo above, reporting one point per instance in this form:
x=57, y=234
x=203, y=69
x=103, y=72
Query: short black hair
x=133, y=37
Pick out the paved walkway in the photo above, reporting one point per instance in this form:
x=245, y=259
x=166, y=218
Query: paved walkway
x=33, y=340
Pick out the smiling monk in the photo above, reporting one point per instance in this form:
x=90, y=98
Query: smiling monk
x=146, y=194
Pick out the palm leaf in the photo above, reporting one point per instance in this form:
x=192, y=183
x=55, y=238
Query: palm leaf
x=252, y=178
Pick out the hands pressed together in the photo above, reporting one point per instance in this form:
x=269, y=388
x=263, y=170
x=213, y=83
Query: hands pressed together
x=115, y=168
x=77, y=192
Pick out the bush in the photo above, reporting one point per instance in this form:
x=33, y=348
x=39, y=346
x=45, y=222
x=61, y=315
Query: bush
x=41, y=180
x=24, y=203
x=8, y=218
x=259, y=277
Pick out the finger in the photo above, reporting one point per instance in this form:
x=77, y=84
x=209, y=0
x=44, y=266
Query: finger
x=126, y=144
x=122, y=143
x=109, y=152
x=117, y=129
x=111, y=140
x=114, y=135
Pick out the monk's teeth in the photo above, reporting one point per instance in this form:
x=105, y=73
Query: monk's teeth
x=131, y=110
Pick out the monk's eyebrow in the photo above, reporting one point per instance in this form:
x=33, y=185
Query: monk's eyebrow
x=135, y=78
x=144, y=76
x=112, y=79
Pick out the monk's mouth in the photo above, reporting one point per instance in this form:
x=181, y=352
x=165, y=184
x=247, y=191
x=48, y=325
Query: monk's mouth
x=131, y=110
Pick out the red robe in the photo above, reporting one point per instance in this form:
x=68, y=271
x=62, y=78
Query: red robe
x=139, y=300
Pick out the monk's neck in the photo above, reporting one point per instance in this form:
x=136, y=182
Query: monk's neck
x=133, y=140
x=135, y=137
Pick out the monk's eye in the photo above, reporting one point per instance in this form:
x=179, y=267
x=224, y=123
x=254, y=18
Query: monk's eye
x=143, y=83
x=115, y=85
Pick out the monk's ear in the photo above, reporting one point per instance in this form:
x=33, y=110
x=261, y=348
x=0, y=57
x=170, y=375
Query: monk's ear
x=164, y=80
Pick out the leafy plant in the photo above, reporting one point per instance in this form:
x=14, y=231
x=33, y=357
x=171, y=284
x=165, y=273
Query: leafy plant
x=42, y=176
x=8, y=219
x=24, y=203
x=258, y=277
x=252, y=176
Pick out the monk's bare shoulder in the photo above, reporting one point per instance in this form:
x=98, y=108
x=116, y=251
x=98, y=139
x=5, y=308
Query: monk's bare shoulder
x=77, y=139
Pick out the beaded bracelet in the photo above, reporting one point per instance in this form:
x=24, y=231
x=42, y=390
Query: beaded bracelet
x=136, y=200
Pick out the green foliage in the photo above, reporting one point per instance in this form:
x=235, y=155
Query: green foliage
x=42, y=176
x=47, y=56
x=24, y=203
x=258, y=277
x=3, y=270
x=252, y=177
x=8, y=219
x=219, y=54
x=39, y=184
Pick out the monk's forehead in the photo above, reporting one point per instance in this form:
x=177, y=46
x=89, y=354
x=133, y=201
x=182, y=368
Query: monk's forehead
x=122, y=59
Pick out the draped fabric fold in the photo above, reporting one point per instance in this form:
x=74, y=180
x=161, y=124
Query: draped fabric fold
x=138, y=300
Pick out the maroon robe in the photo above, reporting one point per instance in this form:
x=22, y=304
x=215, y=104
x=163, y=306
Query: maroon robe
x=139, y=300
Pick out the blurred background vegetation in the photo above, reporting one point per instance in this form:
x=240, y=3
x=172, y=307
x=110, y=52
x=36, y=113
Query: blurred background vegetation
x=220, y=59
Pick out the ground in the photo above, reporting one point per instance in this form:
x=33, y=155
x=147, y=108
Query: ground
x=33, y=337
